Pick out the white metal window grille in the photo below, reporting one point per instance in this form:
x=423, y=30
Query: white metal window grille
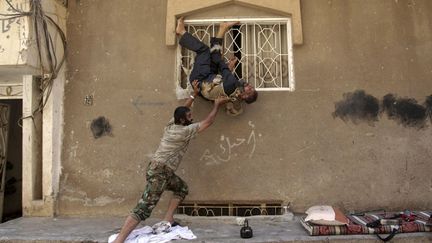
x=262, y=46
x=230, y=209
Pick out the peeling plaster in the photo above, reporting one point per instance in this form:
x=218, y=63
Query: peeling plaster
x=405, y=188
x=23, y=55
x=102, y=201
x=107, y=173
x=81, y=196
x=71, y=136
x=73, y=151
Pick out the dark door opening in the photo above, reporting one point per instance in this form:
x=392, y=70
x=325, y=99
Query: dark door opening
x=12, y=203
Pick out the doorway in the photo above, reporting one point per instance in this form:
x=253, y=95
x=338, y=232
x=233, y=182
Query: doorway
x=12, y=195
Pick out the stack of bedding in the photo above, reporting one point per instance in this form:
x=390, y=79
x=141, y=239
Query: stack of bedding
x=327, y=220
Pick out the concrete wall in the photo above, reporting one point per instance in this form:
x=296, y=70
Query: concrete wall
x=19, y=61
x=297, y=151
x=18, y=46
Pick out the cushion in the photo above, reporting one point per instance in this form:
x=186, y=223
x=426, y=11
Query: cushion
x=357, y=225
x=326, y=215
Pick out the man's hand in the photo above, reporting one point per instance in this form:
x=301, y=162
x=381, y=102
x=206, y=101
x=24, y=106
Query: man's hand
x=211, y=117
x=189, y=101
x=221, y=100
x=195, y=85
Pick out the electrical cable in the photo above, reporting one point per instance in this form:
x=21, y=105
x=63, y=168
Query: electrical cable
x=44, y=26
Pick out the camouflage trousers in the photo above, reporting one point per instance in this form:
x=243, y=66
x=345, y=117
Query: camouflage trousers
x=159, y=179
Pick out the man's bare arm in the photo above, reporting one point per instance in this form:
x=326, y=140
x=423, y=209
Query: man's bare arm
x=190, y=99
x=204, y=124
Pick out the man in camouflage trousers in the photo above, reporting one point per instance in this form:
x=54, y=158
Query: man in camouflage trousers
x=213, y=74
x=160, y=171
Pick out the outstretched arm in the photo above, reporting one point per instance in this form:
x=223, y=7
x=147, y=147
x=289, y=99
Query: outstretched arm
x=203, y=125
x=190, y=99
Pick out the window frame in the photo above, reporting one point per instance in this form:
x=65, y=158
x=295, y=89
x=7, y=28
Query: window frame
x=286, y=21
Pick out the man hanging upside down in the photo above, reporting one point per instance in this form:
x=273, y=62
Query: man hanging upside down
x=214, y=76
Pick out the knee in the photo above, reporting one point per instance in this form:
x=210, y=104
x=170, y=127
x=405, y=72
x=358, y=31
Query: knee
x=204, y=49
x=182, y=192
x=141, y=213
x=145, y=206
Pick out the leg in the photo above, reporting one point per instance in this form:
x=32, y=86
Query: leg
x=216, y=57
x=180, y=189
x=230, y=81
x=180, y=30
x=157, y=181
x=216, y=44
x=224, y=27
x=169, y=215
x=129, y=225
x=201, y=68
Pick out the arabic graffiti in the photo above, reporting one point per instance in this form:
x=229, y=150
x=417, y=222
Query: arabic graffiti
x=7, y=22
x=14, y=25
x=228, y=147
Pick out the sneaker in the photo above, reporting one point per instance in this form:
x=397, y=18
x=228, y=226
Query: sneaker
x=163, y=226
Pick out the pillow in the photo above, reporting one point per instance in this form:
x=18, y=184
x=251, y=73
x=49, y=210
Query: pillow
x=326, y=215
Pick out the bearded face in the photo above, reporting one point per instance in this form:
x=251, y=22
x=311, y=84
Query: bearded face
x=188, y=119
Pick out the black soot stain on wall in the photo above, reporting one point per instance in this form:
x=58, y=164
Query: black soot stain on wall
x=428, y=105
x=404, y=111
x=357, y=106
x=360, y=106
x=100, y=127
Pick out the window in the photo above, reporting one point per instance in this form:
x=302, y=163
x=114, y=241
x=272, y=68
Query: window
x=263, y=47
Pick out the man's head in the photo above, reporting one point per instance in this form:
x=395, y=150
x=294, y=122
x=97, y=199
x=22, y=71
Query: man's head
x=183, y=116
x=249, y=95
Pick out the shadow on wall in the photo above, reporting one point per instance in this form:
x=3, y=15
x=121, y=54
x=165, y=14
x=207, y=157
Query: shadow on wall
x=359, y=106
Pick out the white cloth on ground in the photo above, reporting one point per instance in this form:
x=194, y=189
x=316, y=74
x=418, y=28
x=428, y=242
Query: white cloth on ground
x=145, y=235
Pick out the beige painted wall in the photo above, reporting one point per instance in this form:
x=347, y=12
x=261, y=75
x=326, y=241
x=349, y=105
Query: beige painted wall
x=18, y=47
x=18, y=52
x=19, y=61
x=300, y=154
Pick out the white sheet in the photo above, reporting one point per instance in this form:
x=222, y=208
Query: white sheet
x=145, y=235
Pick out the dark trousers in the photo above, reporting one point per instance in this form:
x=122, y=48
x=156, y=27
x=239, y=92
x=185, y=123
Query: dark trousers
x=208, y=64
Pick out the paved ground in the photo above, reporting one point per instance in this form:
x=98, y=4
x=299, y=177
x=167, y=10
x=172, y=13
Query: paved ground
x=221, y=229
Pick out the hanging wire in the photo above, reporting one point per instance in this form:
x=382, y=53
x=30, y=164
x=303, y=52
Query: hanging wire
x=49, y=63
